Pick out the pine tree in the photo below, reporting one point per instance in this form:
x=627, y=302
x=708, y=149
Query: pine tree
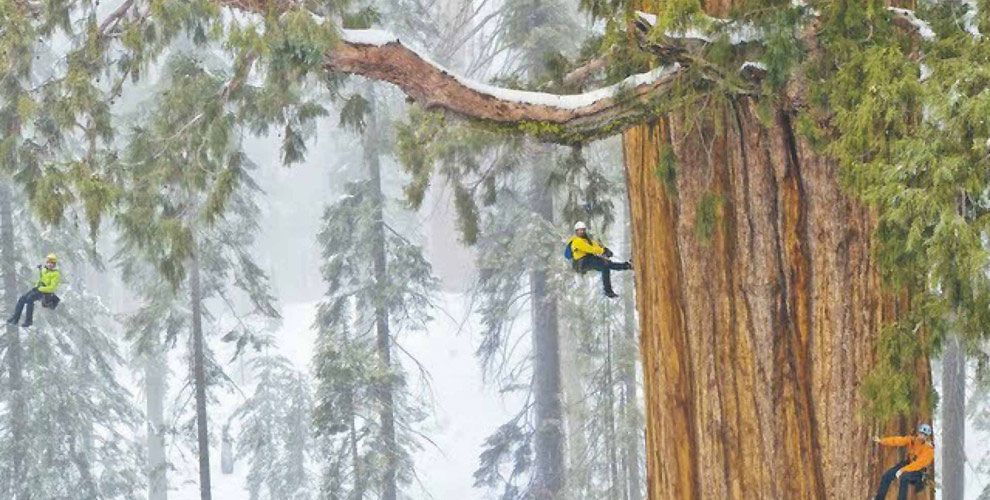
x=167, y=220
x=71, y=424
x=358, y=371
x=513, y=260
x=275, y=434
x=15, y=354
x=601, y=401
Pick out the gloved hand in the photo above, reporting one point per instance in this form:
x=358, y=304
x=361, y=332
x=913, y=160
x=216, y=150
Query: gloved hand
x=876, y=439
x=898, y=475
x=608, y=253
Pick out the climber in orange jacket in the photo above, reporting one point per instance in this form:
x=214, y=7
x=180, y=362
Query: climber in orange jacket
x=921, y=454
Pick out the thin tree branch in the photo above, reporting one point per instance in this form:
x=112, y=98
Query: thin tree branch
x=115, y=16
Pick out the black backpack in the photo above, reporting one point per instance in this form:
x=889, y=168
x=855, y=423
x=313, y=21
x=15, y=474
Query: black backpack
x=50, y=301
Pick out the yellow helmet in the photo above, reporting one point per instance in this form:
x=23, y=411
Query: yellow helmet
x=51, y=258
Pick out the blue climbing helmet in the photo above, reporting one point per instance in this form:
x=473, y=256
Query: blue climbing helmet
x=925, y=429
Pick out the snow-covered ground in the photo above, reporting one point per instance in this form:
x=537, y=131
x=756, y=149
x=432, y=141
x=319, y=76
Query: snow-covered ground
x=466, y=412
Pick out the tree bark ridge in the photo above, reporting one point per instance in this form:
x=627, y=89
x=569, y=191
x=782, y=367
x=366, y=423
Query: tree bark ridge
x=760, y=303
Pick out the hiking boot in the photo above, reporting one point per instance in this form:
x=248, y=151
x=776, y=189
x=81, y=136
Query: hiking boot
x=26, y=324
x=610, y=294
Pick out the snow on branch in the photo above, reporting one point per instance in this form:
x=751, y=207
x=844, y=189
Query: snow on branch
x=382, y=40
x=737, y=32
x=563, y=119
x=740, y=33
x=908, y=20
x=375, y=38
x=569, y=118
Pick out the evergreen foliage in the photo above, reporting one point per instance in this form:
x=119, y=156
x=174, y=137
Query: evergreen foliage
x=81, y=423
x=275, y=435
x=351, y=372
x=596, y=325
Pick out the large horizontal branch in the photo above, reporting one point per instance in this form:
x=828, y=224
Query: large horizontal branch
x=565, y=119
x=562, y=118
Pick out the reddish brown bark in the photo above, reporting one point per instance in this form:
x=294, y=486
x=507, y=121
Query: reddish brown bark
x=433, y=88
x=757, y=336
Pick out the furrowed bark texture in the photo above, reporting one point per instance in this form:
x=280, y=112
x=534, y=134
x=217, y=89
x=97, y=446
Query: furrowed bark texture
x=759, y=302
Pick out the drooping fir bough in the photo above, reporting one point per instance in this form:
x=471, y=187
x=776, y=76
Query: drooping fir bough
x=806, y=184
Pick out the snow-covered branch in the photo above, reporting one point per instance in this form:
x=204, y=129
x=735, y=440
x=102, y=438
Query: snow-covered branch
x=905, y=19
x=737, y=32
x=572, y=118
x=116, y=16
x=581, y=74
x=740, y=32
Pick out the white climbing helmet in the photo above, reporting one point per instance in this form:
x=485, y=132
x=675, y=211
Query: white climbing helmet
x=580, y=225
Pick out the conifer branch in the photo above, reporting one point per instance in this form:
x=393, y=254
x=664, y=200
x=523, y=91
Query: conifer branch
x=581, y=74
x=115, y=16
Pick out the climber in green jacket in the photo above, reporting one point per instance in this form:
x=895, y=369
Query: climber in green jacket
x=47, y=284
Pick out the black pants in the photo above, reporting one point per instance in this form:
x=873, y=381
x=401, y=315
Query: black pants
x=907, y=479
x=27, y=300
x=605, y=266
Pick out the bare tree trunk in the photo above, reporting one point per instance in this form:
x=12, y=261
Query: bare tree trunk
x=226, y=451
x=18, y=418
x=199, y=374
x=759, y=301
x=357, y=493
x=154, y=379
x=80, y=459
x=384, y=340
x=612, y=442
x=953, y=401
x=632, y=419
x=548, y=482
x=575, y=412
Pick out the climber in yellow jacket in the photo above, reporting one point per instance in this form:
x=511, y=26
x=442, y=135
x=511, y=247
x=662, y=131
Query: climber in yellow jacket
x=47, y=284
x=920, y=455
x=588, y=253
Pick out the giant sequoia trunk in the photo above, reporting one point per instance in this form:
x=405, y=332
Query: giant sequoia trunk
x=759, y=303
